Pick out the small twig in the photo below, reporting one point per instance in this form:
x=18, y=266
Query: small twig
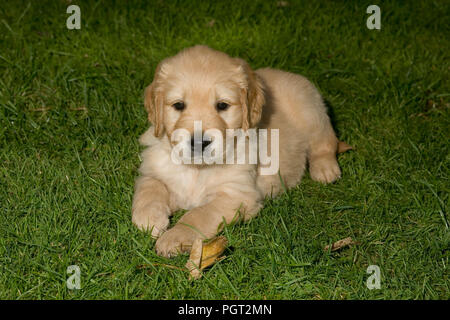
x=148, y=266
x=79, y=109
x=43, y=109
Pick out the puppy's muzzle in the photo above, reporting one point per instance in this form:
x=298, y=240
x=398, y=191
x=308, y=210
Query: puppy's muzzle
x=199, y=144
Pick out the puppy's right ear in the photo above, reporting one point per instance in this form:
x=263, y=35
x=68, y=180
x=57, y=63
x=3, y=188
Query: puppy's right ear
x=154, y=103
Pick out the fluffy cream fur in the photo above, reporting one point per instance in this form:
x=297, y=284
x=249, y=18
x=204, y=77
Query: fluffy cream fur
x=216, y=194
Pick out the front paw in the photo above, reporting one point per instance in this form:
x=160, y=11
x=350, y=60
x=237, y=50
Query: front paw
x=151, y=218
x=177, y=240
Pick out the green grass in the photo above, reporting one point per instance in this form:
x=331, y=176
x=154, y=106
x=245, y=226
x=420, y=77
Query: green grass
x=71, y=111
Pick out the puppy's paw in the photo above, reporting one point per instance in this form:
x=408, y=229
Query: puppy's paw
x=177, y=240
x=151, y=218
x=325, y=169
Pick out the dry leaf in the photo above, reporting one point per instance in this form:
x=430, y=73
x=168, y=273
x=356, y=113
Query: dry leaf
x=343, y=147
x=205, y=254
x=213, y=250
x=340, y=244
x=282, y=4
x=211, y=23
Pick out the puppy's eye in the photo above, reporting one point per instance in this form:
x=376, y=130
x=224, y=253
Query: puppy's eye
x=221, y=106
x=178, y=106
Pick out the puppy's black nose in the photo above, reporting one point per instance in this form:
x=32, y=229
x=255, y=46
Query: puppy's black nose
x=201, y=144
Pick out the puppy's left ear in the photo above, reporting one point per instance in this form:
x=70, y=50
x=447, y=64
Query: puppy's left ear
x=252, y=97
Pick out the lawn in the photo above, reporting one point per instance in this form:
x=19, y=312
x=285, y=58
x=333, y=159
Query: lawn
x=71, y=112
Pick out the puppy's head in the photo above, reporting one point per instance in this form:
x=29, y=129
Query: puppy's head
x=202, y=84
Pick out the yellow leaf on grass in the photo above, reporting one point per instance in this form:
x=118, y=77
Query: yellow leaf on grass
x=205, y=254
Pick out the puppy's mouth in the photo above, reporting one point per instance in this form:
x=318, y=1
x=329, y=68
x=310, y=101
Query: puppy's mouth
x=198, y=149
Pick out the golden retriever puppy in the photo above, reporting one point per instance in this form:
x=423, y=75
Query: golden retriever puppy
x=202, y=90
